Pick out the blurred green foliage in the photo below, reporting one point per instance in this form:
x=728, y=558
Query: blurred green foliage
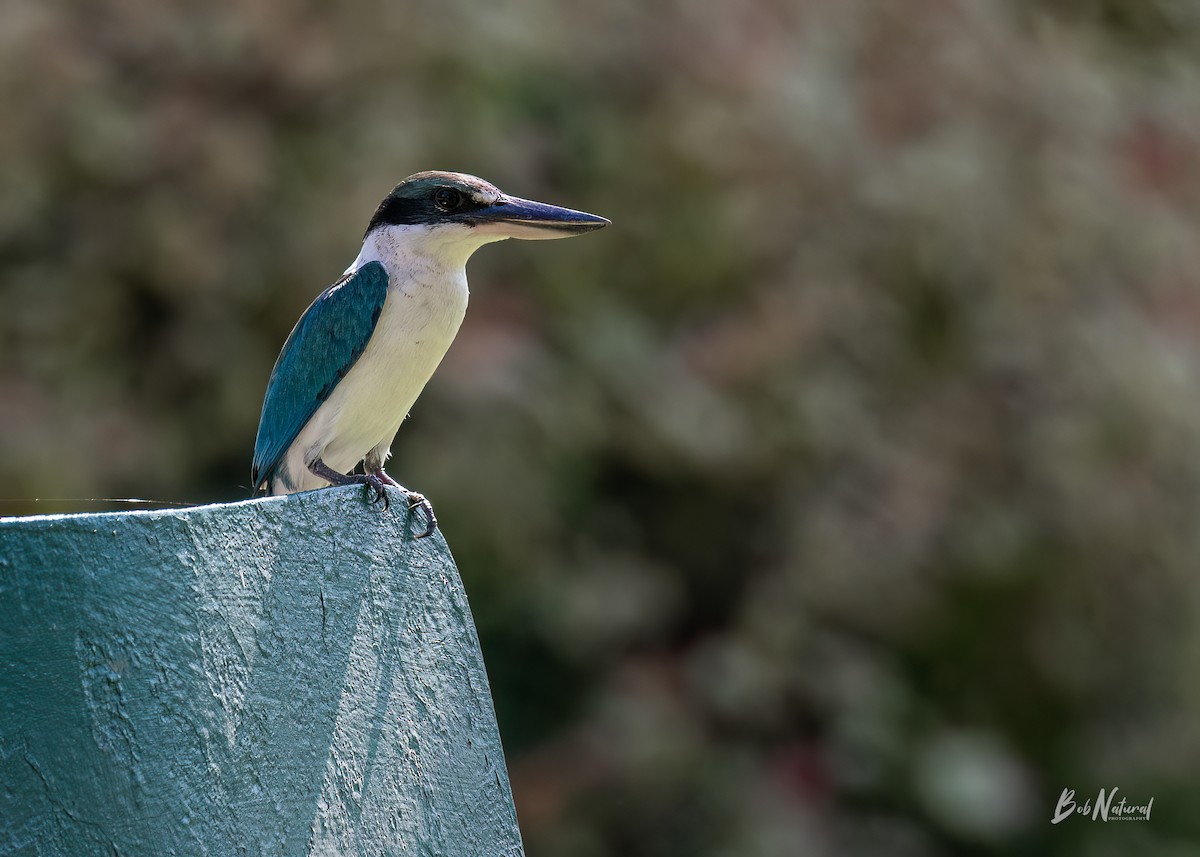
x=841, y=498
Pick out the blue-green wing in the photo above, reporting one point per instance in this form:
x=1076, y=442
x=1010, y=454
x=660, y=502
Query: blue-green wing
x=325, y=343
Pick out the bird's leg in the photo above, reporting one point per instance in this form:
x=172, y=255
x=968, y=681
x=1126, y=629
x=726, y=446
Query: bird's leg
x=371, y=480
x=414, y=499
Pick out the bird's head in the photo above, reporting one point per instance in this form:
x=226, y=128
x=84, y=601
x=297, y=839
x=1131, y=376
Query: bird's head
x=459, y=207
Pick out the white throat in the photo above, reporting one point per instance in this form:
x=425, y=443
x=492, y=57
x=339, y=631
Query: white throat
x=423, y=253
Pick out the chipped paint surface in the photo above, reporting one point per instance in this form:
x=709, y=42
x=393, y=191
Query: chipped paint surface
x=286, y=676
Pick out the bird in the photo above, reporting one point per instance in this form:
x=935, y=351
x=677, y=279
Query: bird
x=363, y=351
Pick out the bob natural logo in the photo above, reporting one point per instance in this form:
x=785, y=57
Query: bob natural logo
x=1105, y=808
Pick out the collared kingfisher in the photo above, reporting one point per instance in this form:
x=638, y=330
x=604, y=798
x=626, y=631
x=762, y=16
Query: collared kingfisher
x=362, y=352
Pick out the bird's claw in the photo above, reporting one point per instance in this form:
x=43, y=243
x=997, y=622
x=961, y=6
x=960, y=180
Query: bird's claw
x=377, y=479
x=377, y=485
x=415, y=500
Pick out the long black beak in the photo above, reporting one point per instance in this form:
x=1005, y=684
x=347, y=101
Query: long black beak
x=524, y=218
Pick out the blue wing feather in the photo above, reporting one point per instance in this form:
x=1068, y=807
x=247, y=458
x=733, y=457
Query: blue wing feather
x=326, y=341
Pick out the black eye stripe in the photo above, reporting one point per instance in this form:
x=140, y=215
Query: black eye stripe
x=429, y=206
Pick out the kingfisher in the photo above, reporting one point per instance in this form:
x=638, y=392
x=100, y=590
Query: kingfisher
x=363, y=351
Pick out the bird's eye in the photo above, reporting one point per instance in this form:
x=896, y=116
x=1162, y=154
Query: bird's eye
x=447, y=198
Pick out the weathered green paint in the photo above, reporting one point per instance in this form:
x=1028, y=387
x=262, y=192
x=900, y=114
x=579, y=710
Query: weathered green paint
x=291, y=675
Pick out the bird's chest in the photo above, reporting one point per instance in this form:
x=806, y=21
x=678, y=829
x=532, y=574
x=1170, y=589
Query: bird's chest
x=418, y=322
x=416, y=326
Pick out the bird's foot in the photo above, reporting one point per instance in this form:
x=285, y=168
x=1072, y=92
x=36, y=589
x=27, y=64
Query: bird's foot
x=378, y=481
x=374, y=482
x=414, y=500
x=387, y=480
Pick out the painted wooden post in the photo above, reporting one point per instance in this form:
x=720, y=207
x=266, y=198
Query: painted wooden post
x=285, y=676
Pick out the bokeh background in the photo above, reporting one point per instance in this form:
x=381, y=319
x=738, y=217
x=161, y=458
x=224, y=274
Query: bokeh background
x=841, y=498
